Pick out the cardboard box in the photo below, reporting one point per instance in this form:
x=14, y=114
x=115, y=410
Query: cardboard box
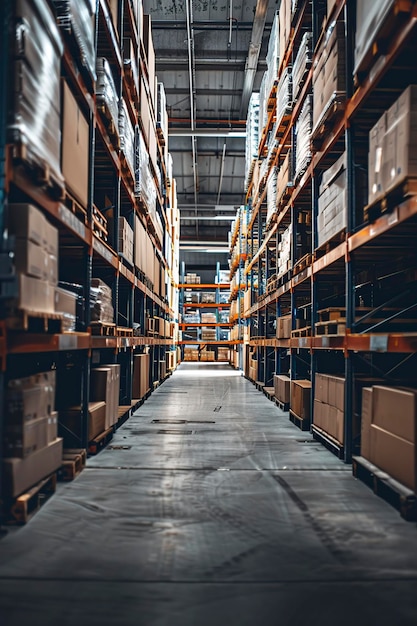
x=300, y=398
x=366, y=422
x=336, y=392
x=395, y=411
x=285, y=14
x=66, y=302
x=34, y=294
x=30, y=259
x=27, y=222
x=115, y=391
x=24, y=438
x=283, y=330
x=51, y=239
x=101, y=389
x=282, y=386
x=321, y=415
x=28, y=399
x=71, y=419
x=375, y=159
x=75, y=145
x=393, y=455
x=140, y=382
x=321, y=388
x=21, y=474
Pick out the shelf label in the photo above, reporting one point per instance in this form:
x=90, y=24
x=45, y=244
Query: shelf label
x=71, y=220
x=68, y=342
x=378, y=343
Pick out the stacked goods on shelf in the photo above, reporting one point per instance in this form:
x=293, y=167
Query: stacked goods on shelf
x=332, y=202
x=76, y=18
x=263, y=115
x=106, y=94
x=192, y=279
x=161, y=112
x=271, y=195
x=127, y=137
x=284, y=177
x=284, y=251
x=35, y=259
x=388, y=435
x=392, y=146
x=208, y=318
x=272, y=61
x=191, y=317
x=67, y=303
x=208, y=334
x=302, y=63
x=105, y=387
x=282, y=388
x=208, y=297
x=329, y=73
x=369, y=18
x=284, y=97
x=75, y=147
x=283, y=328
x=285, y=16
x=207, y=355
x=130, y=64
x=252, y=136
x=31, y=448
x=190, y=354
x=126, y=240
x=141, y=375
x=223, y=354
x=101, y=307
x=192, y=297
x=34, y=117
x=329, y=405
x=303, y=138
x=300, y=399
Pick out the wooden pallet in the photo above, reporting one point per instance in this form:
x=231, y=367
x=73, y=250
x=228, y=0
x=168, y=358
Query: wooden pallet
x=335, y=327
x=101, y=441
x=34, y=321
x=103, y=329
x=38, y=170
x=330, y=245
x=383, y=485
x=75, y=207
x=111, y=127
x=21, y=509
x=302, y=264
x=269, y=392
x=284, y=406
x=73, y=462
x=328, y=441
x=391, y=199
x=259, y=385
x=302, y=424
x=284, y=278
x=331, y=114
x=301, y=332
x=122, y=331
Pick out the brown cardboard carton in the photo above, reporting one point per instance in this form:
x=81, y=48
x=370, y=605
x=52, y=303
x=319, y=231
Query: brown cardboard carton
x=393, y=455
x=140, y=375
x=30, y=259
x=27, y=222
x=337, y=392
x=66, y=302
x=282, y=386
x=71, y=419
x=340, y=426
x=394, y=410
x=75, y=143
x=26, y=400
x=300, y=398
x=101, y=389
x=51, y=239
x=24, y=438
x=321, y=392
x=367, y=395
x=376, y=159
x=34, y=294
x=115, y=391
x=321, y=415
x=21, y=474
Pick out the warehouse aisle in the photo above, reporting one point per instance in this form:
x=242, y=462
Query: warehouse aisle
x=210, y=507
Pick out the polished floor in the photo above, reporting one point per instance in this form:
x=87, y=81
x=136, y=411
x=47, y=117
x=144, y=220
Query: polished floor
x=211, y=508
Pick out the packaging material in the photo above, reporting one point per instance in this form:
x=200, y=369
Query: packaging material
x=141, y=365
x=284, y=177
x=284, y=95
x=31, y=259
x=21, y=474
x=300, y=398
x=283, y=327
x=208, y=297
x=272, y=57
x=78, y=290
x=329, y=405
x=366, y=422
x=332, y=202
x=66, y=303
x=302, y=63
x=77, y=17
x=329, y=73
x=285, y=15
x=34, y=294
x=321, y=388
x=25, y=221
x=101, y=308
x=51, y=427
x=282, y=386
x=303, y=128
x=34, y=116
x=161, y=111
x=149, y=54
x=370, y=17
x=144, y=181
x=127, y=136
x=271, y=195
x=252, y=136
x=25, y=437
x=393, y=455
x=284, y=251
x=101, y=390
x=70, y=419
x=106, y=94
x=395, y=410
x=75, y=146
x=126, y=240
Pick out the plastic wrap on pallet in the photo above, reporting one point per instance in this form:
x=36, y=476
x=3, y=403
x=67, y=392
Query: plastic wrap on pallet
x=161, y=116
x=285, y=176
x=263, y=105
x=169, y=165
x=284, y=251
x=34, y=116
x=284, y=95
x=302, y=62
x=272, y=57
x=77, y=17
x=294, y=6
x=271, y=195
x=252, y=134
x=370, y=16
x=127, y=135
x=303, y=137
x=106, y=93
x=332, y=202
x=144, y=182
x=130, y=63
x=101, y=308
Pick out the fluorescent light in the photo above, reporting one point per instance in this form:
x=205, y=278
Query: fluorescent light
x=210, y=218
x=225, y=207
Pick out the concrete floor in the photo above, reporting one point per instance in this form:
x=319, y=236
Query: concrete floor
x=214, y=510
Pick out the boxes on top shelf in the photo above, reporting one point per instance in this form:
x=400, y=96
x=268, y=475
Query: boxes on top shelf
x=272, y=56
x=150, y=55
x=130, y=64
x=77, y=17
x=284, y=96
x=161, y=112
x=106, y=94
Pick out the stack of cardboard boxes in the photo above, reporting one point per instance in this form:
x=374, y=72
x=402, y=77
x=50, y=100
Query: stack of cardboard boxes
x=300, y=399
x=190, y=354
x=282, y=388
x=32, y=450
x=388, y=438
x=283, y=329
x=141, y=372
x=329, y=405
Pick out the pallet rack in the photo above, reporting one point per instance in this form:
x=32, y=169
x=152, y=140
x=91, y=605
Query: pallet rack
x=86, y=247
x=368, y=271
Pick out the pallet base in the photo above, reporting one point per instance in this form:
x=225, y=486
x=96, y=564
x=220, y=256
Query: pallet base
x=284, y=406
x=401, y=498
x=302, y=424
x=20, y=510
x=101, y=441
x=73, y=463
x=35, y=321
x=328, y=442
x=269, y=392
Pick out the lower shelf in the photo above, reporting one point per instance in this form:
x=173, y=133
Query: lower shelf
x=302, y=424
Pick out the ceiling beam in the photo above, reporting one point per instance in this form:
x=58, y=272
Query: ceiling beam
x=207, y=132
x=205, y=65
x=253, y=54
x=200, y=25
x=176, y=91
